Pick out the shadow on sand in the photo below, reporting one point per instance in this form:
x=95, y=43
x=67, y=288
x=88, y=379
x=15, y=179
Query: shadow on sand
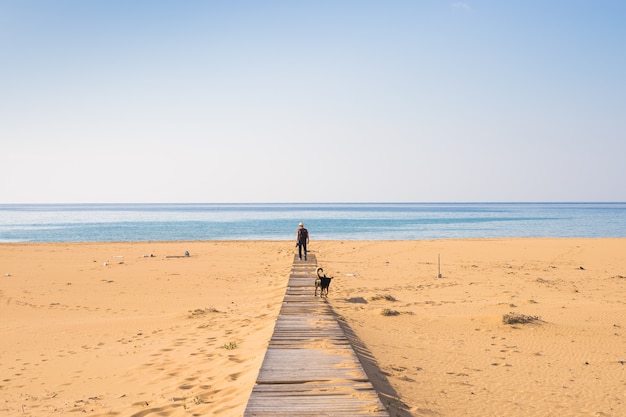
x=388, y=396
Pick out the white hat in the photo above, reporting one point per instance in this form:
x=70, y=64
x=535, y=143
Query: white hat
x=301, y=224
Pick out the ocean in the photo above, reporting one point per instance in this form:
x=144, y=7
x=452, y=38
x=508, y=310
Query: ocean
x=325, y=221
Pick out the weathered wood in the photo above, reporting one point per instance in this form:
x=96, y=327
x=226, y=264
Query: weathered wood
x=310, y=369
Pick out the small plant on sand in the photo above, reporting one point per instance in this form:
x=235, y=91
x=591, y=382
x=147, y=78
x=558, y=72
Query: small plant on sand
x=230, y=346
x=197, y=312
x=201, y=312
x=516, y=318
x=389, y=312
x=383, y=297
x=197, y=400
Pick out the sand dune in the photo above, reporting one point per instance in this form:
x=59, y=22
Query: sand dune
x=109, y=330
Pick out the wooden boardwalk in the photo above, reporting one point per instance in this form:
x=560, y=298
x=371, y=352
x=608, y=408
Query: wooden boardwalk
x=310, y=368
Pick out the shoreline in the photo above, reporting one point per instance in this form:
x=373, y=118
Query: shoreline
x=288, y=241
x=177, y=335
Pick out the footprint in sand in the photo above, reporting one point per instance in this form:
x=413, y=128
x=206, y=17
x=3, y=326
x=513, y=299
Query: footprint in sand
x=234, y=377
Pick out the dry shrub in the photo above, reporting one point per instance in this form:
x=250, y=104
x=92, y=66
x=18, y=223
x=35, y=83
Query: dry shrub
x=388, y=312
x=230, y=346
x=383, y=297
x=516, y=318
x=198, y=312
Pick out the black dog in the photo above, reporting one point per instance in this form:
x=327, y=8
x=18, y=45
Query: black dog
x=322, y=282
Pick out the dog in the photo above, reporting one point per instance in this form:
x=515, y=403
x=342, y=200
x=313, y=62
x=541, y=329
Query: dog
x=322, y=282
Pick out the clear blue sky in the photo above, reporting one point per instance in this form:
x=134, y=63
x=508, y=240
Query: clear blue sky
x=312, y=101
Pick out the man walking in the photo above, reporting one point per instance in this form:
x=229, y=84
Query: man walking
x=302, y=239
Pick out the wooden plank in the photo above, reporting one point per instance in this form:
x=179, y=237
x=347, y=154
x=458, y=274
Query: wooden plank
x=310, y=368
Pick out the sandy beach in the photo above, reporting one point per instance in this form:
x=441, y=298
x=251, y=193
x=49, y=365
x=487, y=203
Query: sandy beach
x=139, y=329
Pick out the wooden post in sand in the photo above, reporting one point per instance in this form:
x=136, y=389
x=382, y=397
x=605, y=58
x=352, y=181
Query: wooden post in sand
x=438, y=265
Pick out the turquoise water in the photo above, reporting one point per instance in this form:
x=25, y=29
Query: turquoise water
x=350, y=221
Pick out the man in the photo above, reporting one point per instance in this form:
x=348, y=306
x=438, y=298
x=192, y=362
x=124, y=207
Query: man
x=302, y=239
